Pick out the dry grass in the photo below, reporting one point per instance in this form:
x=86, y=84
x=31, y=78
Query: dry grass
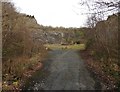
x=104, y=72
x=20, y=52
x=59, y=46
x=14, y=71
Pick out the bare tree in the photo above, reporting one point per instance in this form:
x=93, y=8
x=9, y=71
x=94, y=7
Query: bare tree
x=92, y=20
x=103, y=32
x=101, y=6
x=9, y=16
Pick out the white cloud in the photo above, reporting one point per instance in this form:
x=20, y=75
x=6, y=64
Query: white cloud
x=52, y=12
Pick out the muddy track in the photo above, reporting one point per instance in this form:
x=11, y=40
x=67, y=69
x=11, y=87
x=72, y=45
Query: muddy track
x=64, y=70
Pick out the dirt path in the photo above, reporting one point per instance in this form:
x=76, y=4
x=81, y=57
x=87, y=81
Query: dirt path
x=64, y=70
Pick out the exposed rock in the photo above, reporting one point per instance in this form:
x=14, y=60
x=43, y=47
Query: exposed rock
x=48, y=34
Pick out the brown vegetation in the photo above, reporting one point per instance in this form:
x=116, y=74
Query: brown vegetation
x=102, y=38
x=102, y=48
x=20, y=52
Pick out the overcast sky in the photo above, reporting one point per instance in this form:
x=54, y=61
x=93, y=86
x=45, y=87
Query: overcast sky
x=54, y=13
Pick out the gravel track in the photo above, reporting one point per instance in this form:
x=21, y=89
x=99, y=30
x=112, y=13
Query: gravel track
x=64, y=70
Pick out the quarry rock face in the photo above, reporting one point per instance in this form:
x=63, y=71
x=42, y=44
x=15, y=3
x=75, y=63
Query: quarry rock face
x=46, y=36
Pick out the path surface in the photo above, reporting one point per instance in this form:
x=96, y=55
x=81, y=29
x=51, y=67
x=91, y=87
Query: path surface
x=65, y=71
